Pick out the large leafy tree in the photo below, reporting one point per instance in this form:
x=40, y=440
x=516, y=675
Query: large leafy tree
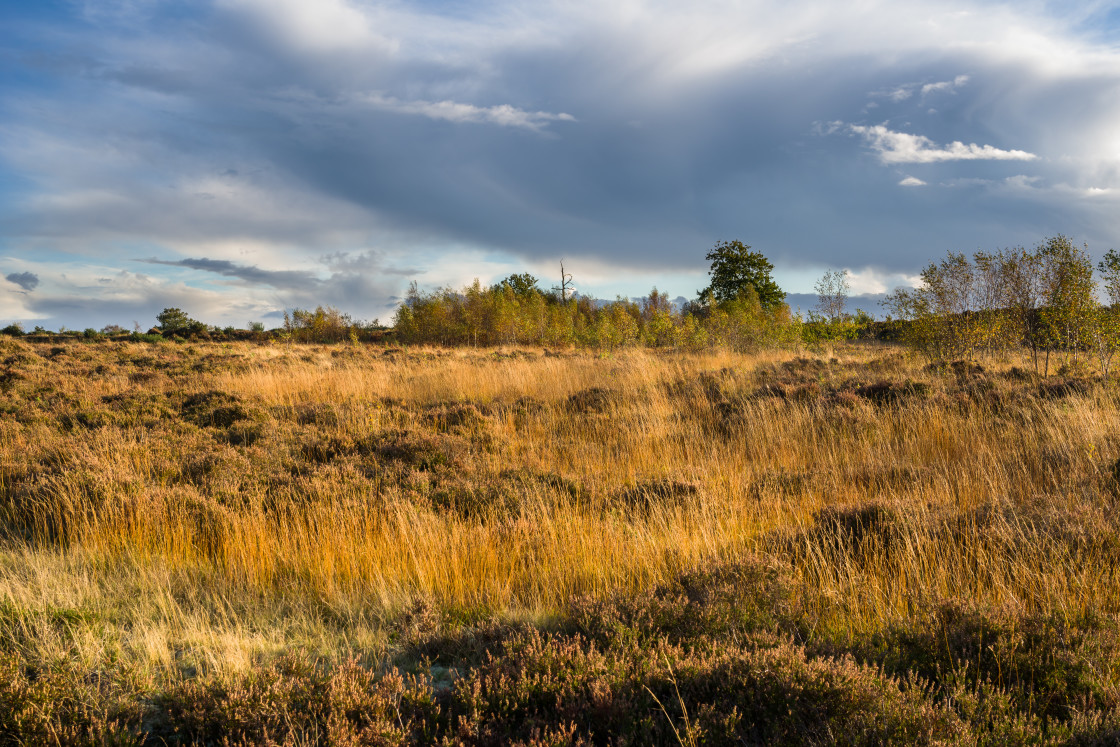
x=173, y=321
x=521, y=285
x=734, y=270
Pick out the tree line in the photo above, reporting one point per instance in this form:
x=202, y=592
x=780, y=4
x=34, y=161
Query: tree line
x=742, y=308
x=1042, y=301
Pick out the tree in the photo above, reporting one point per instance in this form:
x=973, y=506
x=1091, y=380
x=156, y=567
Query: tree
x=832, y=294
x=565, y=286
x=1067, y=278
x=734, y=269
x=324, y=324
x=992, y=300
x=940, y=310
x=1109, y=268
x=657, y=319
x=1023, y=296
x=521, y=285
x=1104, y=336
x=1106, y=325
x=175, y=321
x=656, y=303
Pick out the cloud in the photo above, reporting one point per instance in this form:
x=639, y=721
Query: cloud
x=911, y=181
x=945, y=85
x=901, y=93
x=251, y=274
x=901, y=147
x=91, y=295
x=320, y=27
x=452, y=111
x=874, y=281
x=246, y=143
x=26, y=280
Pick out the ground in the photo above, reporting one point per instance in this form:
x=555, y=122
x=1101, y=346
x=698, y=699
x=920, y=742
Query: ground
x=357, y=544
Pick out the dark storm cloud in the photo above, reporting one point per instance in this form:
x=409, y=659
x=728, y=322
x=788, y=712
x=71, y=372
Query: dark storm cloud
x=286, y=279
x=26, y=280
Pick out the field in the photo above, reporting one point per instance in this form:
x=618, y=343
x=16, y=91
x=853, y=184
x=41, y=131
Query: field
x=358, y=544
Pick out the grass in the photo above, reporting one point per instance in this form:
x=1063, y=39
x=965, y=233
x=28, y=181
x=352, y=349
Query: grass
x=370, y=545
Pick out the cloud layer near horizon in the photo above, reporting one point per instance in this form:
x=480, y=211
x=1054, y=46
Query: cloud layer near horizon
x=238, y=157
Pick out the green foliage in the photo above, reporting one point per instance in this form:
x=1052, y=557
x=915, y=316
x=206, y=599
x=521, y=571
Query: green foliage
x=1067, y=278
x=941, y=310
x=523, y=284
x=1104, y=336
x=817, y=329
x=734, y=270
x=1043, y=300
x=743, y=323
x=1105, y=330
x=1109, y=269
x=501, y=315
x=829, y=321
x=175, y=321
x=658, y=327
x=325, y=324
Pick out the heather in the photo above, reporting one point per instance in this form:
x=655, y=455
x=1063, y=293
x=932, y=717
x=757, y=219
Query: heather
x=376, y=544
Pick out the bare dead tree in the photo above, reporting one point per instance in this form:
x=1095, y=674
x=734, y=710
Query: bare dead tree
x=565, y=283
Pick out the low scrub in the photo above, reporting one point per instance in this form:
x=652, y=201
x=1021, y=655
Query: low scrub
x=204, y=543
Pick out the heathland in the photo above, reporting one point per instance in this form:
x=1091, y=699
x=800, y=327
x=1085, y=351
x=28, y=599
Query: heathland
x=265, y=542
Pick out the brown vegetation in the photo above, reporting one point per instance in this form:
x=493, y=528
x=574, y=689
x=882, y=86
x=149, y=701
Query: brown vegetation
x=365, y=545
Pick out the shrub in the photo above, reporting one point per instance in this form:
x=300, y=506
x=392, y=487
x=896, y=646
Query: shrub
x=174, y=322
x=324, y=324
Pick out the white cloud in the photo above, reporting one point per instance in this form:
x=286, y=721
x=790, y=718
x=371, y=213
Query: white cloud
x=911, y=181
x=453, y=111
x=1022, y=181
x=317, y=27
x=945, y=85
x=1035, y=186
x=871, y=281
x=965, y=182
x=901, y=147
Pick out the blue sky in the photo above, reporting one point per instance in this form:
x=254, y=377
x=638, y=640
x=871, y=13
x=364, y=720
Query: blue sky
x=240, y=157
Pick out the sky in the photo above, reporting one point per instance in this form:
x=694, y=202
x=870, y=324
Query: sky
x=236, y=158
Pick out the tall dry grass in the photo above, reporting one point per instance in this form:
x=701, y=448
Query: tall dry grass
x=176, y=509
